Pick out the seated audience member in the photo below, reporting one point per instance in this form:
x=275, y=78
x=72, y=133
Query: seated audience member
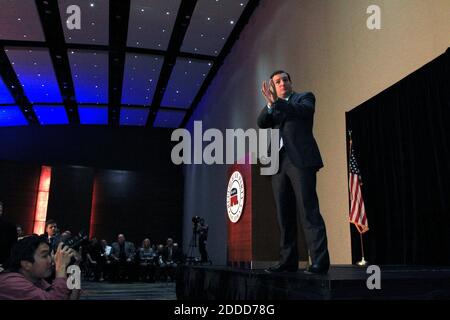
x=178, y=255
x=122, y=254
x=95, y=259
x=106, y=252
x=146, y=261
x=20, y=233
x=66, y=235
x=29, y=264
x=168, y=256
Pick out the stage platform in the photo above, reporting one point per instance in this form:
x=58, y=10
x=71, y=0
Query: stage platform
x=343, y=282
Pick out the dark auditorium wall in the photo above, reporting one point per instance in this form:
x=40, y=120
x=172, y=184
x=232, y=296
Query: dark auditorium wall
x=137, y=204
x=138, y=189
x=123, y=148
x=18, y=185
x=70, y=197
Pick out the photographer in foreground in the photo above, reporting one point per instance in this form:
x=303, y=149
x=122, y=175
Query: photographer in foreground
x=29, y=264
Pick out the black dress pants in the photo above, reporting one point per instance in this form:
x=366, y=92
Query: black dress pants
x=295, y=195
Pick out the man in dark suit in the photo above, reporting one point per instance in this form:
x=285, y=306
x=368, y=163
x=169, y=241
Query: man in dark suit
x=122, y=255
x=294, y=185
x=51, y=231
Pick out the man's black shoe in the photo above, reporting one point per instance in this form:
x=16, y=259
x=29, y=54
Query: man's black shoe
x=281, y=268
x=317, y=269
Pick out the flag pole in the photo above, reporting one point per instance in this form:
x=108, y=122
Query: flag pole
x=363, y=262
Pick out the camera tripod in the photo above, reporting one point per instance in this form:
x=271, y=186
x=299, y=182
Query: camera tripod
x=191, y=258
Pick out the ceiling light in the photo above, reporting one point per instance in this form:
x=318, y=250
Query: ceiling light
x=72, y=52
x=209, y=64
x=167, y=12
x=202, y=35
x=231, y=22
x=140, y=28
x=208, y=18
x=92, y=23
x=190, y=61
x=242, y=4
x=18, y=19
x=92, y=4
x=163, y=30
x=142, y=10
x=24, y=35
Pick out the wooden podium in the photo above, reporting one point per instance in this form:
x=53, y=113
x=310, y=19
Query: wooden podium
x=254, y=240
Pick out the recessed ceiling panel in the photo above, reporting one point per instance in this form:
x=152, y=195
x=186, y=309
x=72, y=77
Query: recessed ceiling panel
x=90, y=75
x=140, y=78
x=34, y=69
x=93, y=114
x=19, y=20
x=94, y=21
x=211, y=25
x=151, y=23
x=51, y=114
x=5, y=94
x=133, y=116
x=12, y=116
x=169, y=118
x=185, y=81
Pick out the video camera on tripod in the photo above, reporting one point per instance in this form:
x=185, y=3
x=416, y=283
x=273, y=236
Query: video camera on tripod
x=200, y=229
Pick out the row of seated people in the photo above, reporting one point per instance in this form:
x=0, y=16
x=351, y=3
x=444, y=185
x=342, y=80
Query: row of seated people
x=122, y=262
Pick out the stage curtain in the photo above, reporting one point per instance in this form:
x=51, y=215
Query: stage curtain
x=402, y=142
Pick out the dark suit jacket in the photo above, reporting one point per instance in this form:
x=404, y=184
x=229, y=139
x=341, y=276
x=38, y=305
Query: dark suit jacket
x=294, y=119
x=128, y=247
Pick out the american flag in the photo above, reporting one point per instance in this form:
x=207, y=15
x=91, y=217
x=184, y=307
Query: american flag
x=357, y=210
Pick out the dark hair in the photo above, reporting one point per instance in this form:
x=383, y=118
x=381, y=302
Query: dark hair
x=24, y=249
x=49, y=222
x=278, y=72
